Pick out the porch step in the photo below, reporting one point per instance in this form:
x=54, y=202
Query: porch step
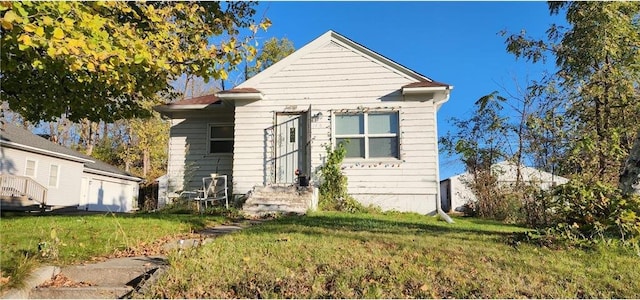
x=91, y=292
x=277, y=199
x=115, y=278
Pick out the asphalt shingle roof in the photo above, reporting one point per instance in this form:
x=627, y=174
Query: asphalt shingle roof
x=14, y=134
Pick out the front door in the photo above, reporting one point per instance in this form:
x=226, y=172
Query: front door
x=290, y=146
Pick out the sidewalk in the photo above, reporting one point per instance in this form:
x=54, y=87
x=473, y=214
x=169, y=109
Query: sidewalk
x=112, y=278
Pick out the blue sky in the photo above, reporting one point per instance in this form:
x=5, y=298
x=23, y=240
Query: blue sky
x=452, y=42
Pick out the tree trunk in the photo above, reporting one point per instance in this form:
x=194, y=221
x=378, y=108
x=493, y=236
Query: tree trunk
x=630, y=177
x=146, y=162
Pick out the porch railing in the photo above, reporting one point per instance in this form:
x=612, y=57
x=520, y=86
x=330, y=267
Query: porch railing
x=17, y=186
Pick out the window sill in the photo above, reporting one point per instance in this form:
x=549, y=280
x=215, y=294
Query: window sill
x=219, y=154
x=372, y=160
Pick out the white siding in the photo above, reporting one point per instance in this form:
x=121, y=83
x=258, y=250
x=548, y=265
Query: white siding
x=106, y=193
x=329, y=79
x=66, y=193
x=189, y=161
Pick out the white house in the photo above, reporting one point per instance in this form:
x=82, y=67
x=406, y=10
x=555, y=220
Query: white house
x=455, y=191
x=329, y=91
x=36, y=171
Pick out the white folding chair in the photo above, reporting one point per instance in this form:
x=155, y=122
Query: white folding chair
x=214, y=189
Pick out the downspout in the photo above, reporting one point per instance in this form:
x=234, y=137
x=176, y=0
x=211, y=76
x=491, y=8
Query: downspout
x=441, y=213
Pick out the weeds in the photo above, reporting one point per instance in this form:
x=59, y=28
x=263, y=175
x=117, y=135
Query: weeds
x=392, y=255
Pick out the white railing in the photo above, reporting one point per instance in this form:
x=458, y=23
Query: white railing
x=11, y=185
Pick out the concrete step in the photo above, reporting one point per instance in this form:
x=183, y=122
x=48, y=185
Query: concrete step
x=108, y=276
x=276, y=201
x=91, y=292
x=114, y=278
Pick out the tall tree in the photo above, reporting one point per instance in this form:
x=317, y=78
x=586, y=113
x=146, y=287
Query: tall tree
x=272, y=51
x=101, y=60
x=598, y=60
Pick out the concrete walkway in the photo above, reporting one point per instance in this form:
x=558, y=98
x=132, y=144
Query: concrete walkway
x=112, y=278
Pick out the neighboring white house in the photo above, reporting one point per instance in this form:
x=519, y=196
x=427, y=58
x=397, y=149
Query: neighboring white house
x=329, y=91
x=455, y=191
x=35, y=168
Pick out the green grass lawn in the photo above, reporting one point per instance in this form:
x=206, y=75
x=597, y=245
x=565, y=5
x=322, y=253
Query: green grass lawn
x=335, y=255
x=85, y=237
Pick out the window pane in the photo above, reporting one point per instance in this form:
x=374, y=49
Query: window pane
x=53, y=175
x=383, y=147
x=30, y=170
x=221, y=132
x=349, y=124
x=355, y=147
x=221, y=147
x=383, y=123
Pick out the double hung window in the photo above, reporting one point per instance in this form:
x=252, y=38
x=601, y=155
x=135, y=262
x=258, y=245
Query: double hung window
x=30, y=169
x=54, y=172
x=220, y=138
x=368, y=134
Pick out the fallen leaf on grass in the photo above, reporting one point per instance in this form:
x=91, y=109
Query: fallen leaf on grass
x=63, y=281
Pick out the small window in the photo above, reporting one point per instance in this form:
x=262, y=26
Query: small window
x=220, y=139
x=53, y=175
x=368, y=135
x=30, y=168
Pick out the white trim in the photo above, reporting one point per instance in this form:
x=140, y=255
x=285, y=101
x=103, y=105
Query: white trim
x=209, y=139
x=57, y=183
x=422, y=90
x=240, y=96
x=109, y=174
x=440, y=102
x=178, y=107
x=366, y=135
x=45, y=152
x=327, y=37
x=35, y=167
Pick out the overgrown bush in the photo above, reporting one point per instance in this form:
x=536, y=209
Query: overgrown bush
x=494, y=201
x=333, y=186
x=597, y=210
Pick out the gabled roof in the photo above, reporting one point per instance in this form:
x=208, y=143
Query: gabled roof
x=332, y=36
x=15, y=137
x=247, y=90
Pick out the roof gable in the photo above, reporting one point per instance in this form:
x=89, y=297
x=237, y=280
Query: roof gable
x=331, y=37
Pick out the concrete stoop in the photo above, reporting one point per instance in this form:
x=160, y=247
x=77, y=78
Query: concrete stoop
x=267, y=200
x=114, y=278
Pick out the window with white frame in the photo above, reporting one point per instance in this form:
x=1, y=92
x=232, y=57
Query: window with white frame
x=30, y=168
x=220, y=138
x=368, y=134
x=54, y=172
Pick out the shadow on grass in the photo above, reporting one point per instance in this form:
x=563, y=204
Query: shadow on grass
x=193, y=219
x=314, y=224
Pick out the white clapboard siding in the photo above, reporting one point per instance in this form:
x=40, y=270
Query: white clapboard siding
x=189, y=161
x=330, y=79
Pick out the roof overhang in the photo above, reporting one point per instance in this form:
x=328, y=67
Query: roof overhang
x=114, y=175
x=424, y=90
x=167, y=108
x=253, y=96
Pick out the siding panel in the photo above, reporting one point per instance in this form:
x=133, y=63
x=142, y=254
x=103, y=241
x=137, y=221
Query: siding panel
x=330, y=79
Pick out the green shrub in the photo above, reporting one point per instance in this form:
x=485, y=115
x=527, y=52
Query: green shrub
x=333, y=188
x=597, y=210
